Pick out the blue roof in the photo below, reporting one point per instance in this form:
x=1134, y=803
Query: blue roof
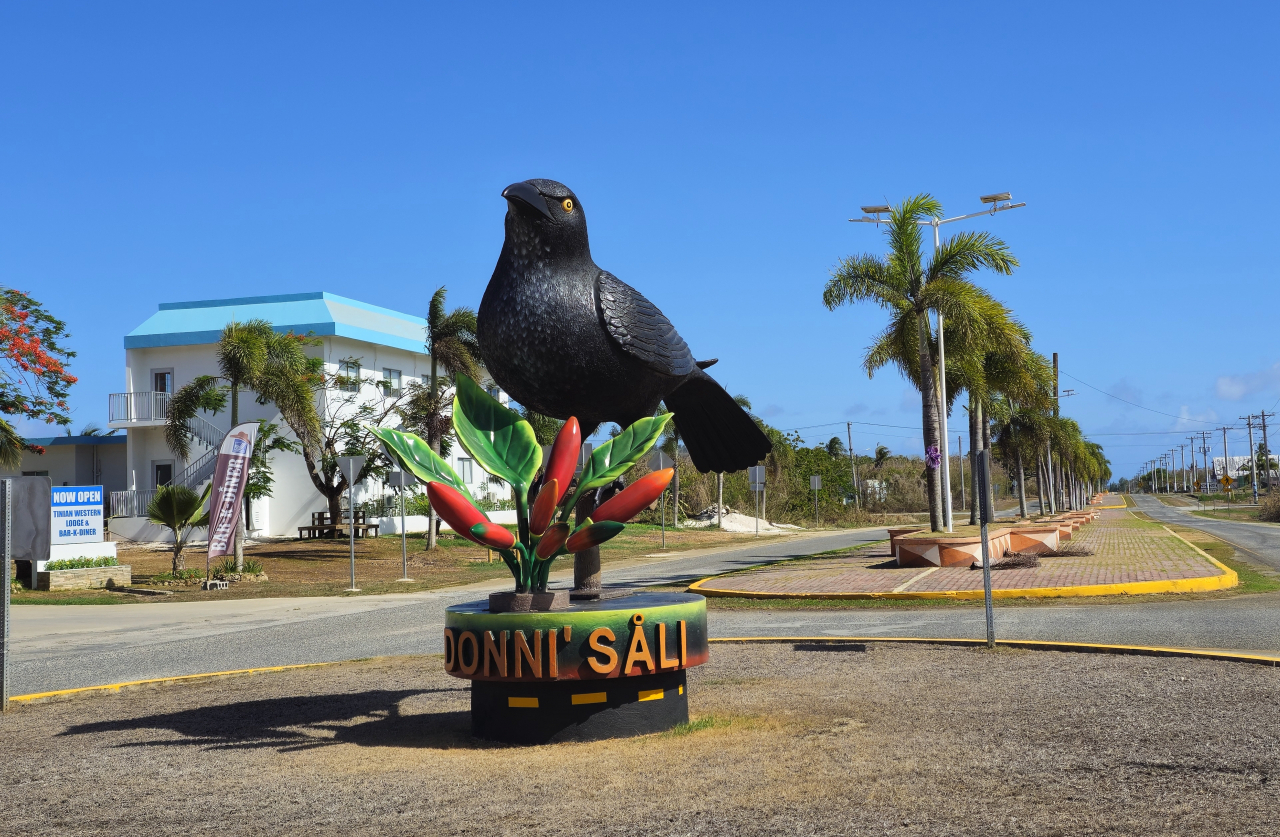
x=192, y=323
x=48, y=441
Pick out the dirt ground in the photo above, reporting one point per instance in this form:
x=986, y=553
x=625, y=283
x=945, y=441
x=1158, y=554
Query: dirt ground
x=893, y=739
x=322, y=567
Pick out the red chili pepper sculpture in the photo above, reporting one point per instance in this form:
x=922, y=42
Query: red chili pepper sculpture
x=628, y=503
x=544, y=508
x=563, y=460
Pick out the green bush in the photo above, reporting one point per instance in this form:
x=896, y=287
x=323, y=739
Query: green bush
x=227, y=566
x=180, y=575
x=80, y=563
x=1269, y=507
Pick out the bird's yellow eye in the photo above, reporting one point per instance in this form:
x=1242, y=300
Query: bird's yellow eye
x=567, y=204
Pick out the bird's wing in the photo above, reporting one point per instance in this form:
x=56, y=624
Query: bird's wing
x=640, y=328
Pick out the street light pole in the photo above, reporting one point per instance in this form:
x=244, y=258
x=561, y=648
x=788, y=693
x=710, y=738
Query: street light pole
x=998, y=202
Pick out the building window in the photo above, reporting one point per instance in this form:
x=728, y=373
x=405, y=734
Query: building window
x=465, y=470
x=349, y=376
x=391, y=382
x=162, y=380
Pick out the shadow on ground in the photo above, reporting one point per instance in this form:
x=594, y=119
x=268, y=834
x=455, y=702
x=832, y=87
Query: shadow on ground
x=368, y=719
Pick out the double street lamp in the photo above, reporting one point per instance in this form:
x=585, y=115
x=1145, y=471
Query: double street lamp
x=998, y=202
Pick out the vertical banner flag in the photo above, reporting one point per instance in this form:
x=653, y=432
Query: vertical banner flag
x=226, y=501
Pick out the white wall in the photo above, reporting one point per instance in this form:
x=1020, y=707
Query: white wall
x=294, y=497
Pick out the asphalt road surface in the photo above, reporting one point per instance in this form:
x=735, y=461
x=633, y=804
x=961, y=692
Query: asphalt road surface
x=59, y=647
x=1260, y=542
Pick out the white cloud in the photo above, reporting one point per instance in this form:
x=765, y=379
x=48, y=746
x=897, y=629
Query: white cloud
x=1236, y=387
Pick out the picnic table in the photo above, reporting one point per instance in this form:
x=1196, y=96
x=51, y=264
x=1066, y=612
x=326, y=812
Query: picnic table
x=323, y=527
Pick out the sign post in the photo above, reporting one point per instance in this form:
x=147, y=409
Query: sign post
x=657, y=462
x=815, y=482
x=351, y=467
x=401, y=480
x=986, y=514
x=755, y=475
x=6, y=520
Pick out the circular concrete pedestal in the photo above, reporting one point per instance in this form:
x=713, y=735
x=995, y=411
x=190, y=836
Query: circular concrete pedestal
x=541, y=713
x=600, y=669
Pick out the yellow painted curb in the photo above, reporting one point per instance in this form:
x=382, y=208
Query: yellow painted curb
x=1203, y=584
x=182, y=678
x=1030, y=644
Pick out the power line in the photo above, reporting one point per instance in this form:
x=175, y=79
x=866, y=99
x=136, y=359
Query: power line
x=1131, y=403
x=833, y=423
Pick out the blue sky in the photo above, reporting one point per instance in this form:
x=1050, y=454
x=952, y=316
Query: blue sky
x=163, y=152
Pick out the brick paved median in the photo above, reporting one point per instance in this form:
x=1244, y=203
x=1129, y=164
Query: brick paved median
x=1128, y=551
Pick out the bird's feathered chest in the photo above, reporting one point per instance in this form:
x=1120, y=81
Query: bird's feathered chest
x=538, y=319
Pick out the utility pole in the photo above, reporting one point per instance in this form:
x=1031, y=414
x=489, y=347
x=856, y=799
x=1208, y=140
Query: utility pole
x=1195, y=477
x=1253, y=458
x=853, y=459
x=1266, y=445
x=1226, y=457
x=1204, y=453
x=1182, y=454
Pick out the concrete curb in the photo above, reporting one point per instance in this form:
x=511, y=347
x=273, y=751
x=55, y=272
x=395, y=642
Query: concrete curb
x=182, y=678
x=1029, y=644
x=1203, y=584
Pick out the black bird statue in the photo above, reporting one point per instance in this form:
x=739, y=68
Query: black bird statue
x=566, y=338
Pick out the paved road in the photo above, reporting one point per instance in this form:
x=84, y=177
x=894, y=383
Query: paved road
x=1259, y=541
x=64, y=647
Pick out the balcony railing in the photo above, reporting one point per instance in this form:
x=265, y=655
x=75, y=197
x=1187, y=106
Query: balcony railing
x=128, y=407
x=131, y=503
x=140, y=406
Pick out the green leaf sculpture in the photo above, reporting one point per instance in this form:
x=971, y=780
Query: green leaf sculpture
x=503, y=443
x=417, y=457
x=616, y=456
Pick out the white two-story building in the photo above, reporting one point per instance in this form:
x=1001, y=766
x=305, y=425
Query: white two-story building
x=384, y=348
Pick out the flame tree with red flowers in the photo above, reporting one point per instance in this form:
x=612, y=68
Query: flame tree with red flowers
x=33, y=377
x=504, y=444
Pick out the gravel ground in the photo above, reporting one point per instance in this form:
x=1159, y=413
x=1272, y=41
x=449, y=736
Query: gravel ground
x=896, y=739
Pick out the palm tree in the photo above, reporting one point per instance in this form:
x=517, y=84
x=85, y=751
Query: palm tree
x=882, y=456
x=179, y=509
x=253, y=357
x=451, y=342
x=909, y=287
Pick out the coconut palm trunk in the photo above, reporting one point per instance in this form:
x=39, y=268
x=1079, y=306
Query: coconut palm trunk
x=986, y=448
x=975, y=408
x=929, y=420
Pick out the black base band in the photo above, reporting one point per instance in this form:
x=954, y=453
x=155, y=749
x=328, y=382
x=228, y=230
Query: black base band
x=578, y=710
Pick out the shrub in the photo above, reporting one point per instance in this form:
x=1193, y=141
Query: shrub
x=1269, y=508
x=180, y=575
x=227, y=566
x=80, y=563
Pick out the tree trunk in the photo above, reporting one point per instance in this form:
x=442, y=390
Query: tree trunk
x=974, y=447
x=435, y=447
x=179, y=563
x=1040, y=484
x=1022, y=486
x=720, y=500
x=929, y=420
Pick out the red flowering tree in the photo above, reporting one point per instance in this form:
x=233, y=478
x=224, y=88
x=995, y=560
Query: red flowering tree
x=33, y=374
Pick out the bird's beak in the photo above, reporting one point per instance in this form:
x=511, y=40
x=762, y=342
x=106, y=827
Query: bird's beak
x=528, y=193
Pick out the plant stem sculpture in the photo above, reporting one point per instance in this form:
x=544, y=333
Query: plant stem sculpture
x=504, y=444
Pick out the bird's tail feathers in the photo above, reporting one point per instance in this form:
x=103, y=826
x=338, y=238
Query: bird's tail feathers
x=718, y=434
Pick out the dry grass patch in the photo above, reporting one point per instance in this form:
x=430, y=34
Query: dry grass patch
x=899, y=739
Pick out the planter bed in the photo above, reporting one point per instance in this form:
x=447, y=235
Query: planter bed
x=88, y=578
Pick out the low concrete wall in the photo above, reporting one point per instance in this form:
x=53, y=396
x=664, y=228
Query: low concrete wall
x=89, y=578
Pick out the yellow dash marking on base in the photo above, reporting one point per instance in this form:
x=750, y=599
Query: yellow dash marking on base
x=681, y=690
x=651, y=694
x=589, y=697
x=522, y=703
